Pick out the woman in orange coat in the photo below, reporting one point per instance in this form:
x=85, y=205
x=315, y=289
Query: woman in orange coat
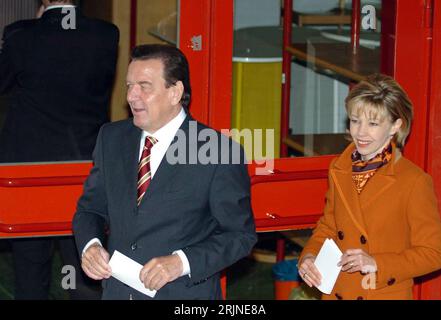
x=381, y=209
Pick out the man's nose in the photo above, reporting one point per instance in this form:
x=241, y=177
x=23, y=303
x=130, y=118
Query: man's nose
x=132, y=93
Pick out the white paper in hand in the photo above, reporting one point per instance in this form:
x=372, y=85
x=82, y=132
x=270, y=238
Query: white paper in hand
x=127, y=271
x=326, y=263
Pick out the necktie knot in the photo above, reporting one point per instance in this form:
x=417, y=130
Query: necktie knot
x=149, y=142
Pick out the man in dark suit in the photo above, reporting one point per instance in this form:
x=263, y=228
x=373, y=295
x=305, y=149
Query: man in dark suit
x=58, y=73
x=194, y=217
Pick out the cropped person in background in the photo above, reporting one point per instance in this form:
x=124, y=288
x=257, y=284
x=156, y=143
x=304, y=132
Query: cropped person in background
x=381, y=209
x=58, y=72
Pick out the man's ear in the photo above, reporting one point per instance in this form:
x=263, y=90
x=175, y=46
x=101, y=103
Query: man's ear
x=176, y=92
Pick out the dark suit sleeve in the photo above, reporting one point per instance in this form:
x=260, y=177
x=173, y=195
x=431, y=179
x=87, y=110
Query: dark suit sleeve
x=91, y=215
x=235, y=234
x=9, y=64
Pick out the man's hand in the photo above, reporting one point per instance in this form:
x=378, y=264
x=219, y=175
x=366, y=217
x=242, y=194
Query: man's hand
x=95, y=262
x=159, y=271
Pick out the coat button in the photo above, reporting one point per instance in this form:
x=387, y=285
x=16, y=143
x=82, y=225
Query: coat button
x=363, y=239
x=339, y=297
x=134, y=246
x=391, y=281
x=360, y=298
x=341, y=235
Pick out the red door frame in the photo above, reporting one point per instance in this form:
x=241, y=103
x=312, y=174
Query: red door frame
x=414, y=26
x=211, y=67
x=411, y=68
x=431, y=288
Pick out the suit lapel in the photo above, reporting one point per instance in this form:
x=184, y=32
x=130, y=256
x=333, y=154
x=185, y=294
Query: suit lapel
x=165, y=172
x=130, y=155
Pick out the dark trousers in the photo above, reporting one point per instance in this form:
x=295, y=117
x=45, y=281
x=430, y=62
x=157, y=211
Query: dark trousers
x=33, y=264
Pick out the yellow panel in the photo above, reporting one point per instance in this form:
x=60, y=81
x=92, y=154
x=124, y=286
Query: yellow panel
x=257, y=103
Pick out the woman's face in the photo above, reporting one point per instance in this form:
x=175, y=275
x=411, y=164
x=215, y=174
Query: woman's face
x=371, y=135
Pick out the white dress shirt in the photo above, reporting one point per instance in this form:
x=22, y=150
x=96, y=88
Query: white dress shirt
x=164, y=136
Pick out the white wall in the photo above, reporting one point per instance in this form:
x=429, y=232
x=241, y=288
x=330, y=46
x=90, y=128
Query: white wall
x=317, y=102
x=253, y=13
x=326, y=5
x=315, y=5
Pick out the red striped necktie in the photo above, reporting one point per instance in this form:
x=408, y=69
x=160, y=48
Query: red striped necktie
x=144, y=172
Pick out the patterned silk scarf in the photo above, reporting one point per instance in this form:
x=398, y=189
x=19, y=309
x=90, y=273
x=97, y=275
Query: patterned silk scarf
x=362, y=171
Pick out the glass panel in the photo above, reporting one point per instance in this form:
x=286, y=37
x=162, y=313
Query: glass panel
x=323, y=69
x=257, y=74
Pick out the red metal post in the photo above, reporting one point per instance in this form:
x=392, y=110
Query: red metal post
x=280, y=253
x=286, y=95
x=192, y=31
x=431, y=287
x=221, y=66
x=416, y=71
x=286, y=76
x=355, y=25
x=388, y=39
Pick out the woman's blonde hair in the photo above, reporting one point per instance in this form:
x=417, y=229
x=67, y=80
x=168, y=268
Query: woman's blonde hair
x=380, y=96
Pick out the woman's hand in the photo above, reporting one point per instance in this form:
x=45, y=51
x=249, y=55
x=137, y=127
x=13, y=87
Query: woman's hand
x=309, y=272
x=356, y=260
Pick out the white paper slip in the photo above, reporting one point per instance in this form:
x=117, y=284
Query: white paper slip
x=127, y=271
x=326, y=263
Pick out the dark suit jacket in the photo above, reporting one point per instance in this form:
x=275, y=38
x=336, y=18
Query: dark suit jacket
x=202, y=209
x=59, y=85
